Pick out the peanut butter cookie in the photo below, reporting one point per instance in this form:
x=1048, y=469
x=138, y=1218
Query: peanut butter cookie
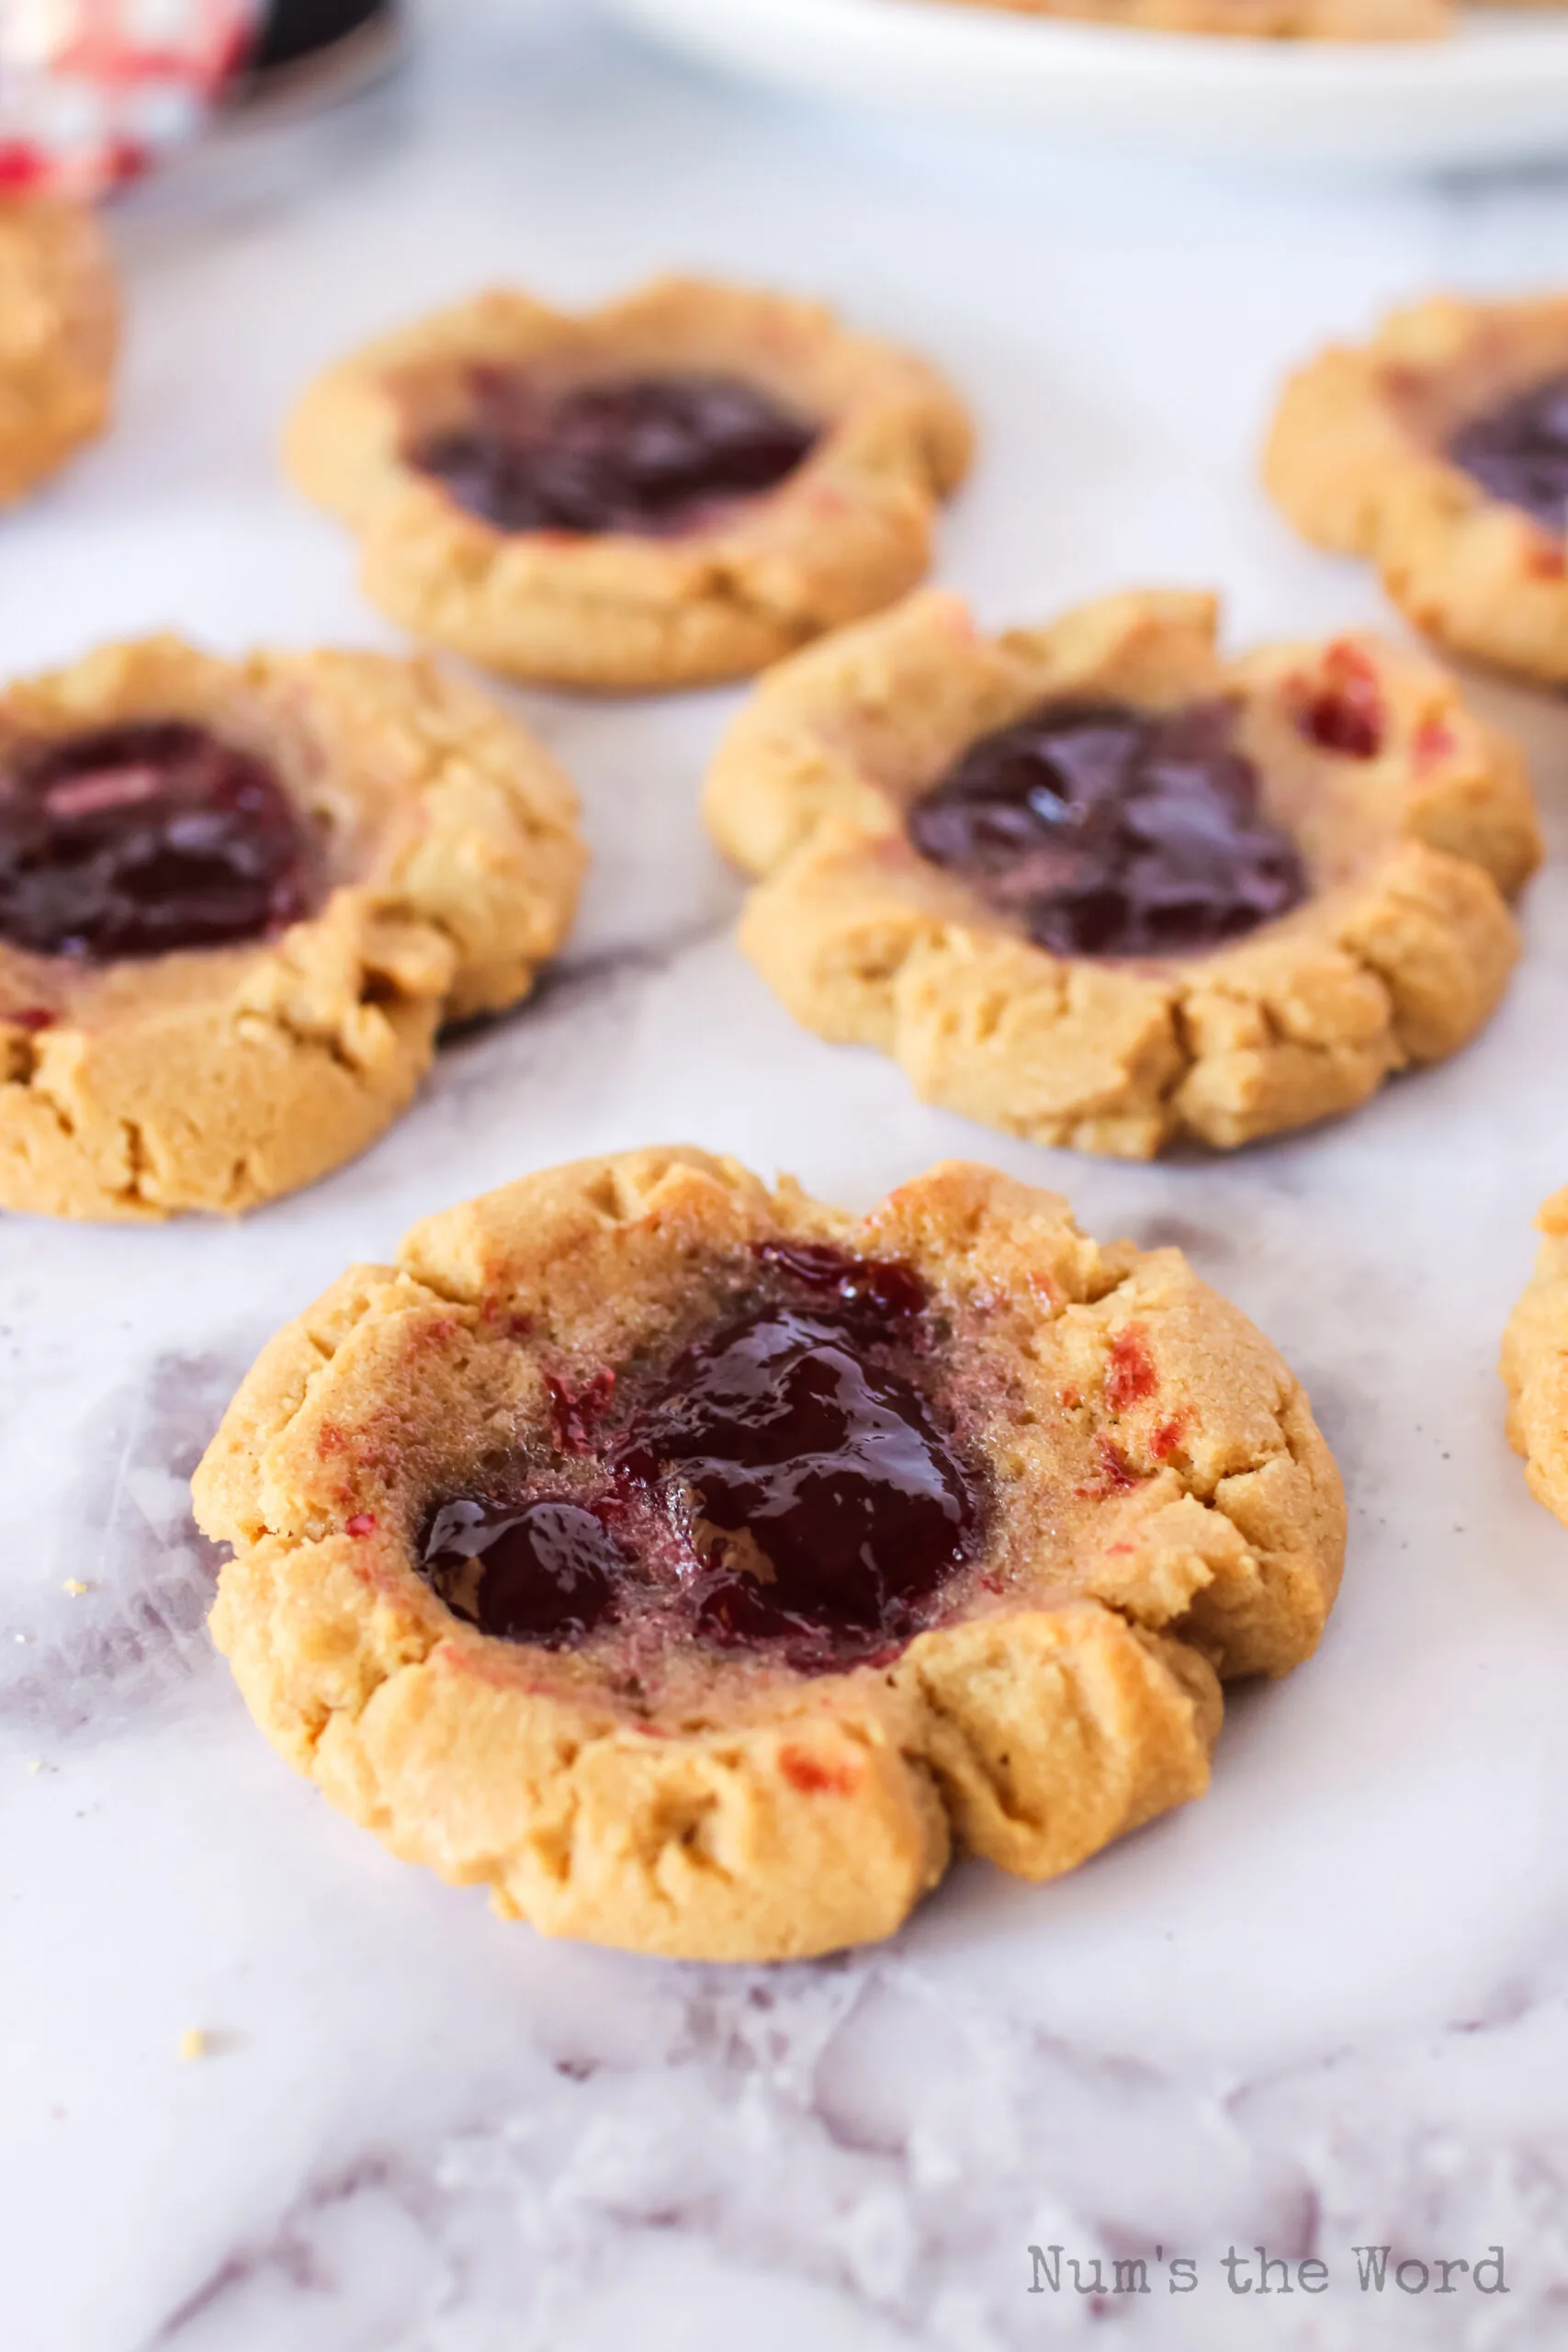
x=59, y=333
x=1256, y=19
x=237, y=899
x=1535, y=1363
x=1095, y=885
x=681, y=486
x=694, y=1566
x=1438, y=451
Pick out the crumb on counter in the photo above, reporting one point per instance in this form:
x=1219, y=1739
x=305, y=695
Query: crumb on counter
x=193, y=2042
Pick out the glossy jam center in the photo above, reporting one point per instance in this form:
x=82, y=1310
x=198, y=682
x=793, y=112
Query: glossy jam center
x=787, y=1482
x=1108, y=831
x=1519, y=451
x=135, y=840
x=825, y=1502
x=644, y=454
x=546, y=1572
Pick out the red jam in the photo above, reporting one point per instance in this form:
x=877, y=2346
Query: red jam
x=1342, y=711
x=644, y=454
x=787, y=1483
x=1519, y=451
x=1110, y=831
x=135, y=840
x=545, y=1572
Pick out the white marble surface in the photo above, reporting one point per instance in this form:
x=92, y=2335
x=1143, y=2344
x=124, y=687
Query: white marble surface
x=1328, y=2005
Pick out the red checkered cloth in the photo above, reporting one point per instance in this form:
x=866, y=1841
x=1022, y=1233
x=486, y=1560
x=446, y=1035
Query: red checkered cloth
x=91, y=90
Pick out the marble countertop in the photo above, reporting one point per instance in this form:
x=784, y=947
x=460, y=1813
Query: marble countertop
x=1326, y=2009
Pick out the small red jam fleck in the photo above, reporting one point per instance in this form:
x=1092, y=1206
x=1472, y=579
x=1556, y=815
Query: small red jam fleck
x=1400, y=381
x=1518, y=451
x=1131, y=1375
x=362, y=1524
x=814, y=1777
x=1113, y=1477
x=786, y=1482
x=643, y=454
x=136, y=839
x=548, y=1572
x=575, y=1412
x=1106, y=829
x=1344, y=710
x=1167, y=1439
x=34, y=1017
x=1435, y=739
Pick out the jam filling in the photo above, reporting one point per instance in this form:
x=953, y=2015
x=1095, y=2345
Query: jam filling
x=787, y=1483
x=645, y=454
x=137, y=839
x=1519, y=451
x=1110, y=831
x=291, y=29
x=545, y=1572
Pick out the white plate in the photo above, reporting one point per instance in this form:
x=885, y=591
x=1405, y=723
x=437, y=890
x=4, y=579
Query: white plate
x=1496, y=93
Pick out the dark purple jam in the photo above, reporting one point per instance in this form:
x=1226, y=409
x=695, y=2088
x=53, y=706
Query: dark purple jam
x=135, y=840
x=1110, y=831
x=290, y=29
x=546, y=1572
x=787, y=1483
x=646, y=454
x=1519, y=451
x=826, y=1504
x=876, y=1286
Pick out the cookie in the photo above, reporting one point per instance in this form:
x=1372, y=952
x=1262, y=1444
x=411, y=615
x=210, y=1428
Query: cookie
x=1535, y=1363
x=694, y=1566
x=1095, y=885
x=1334, y=20
x=237, y=900
x=681, y=486
x=1438, y=451
x=59, y=334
